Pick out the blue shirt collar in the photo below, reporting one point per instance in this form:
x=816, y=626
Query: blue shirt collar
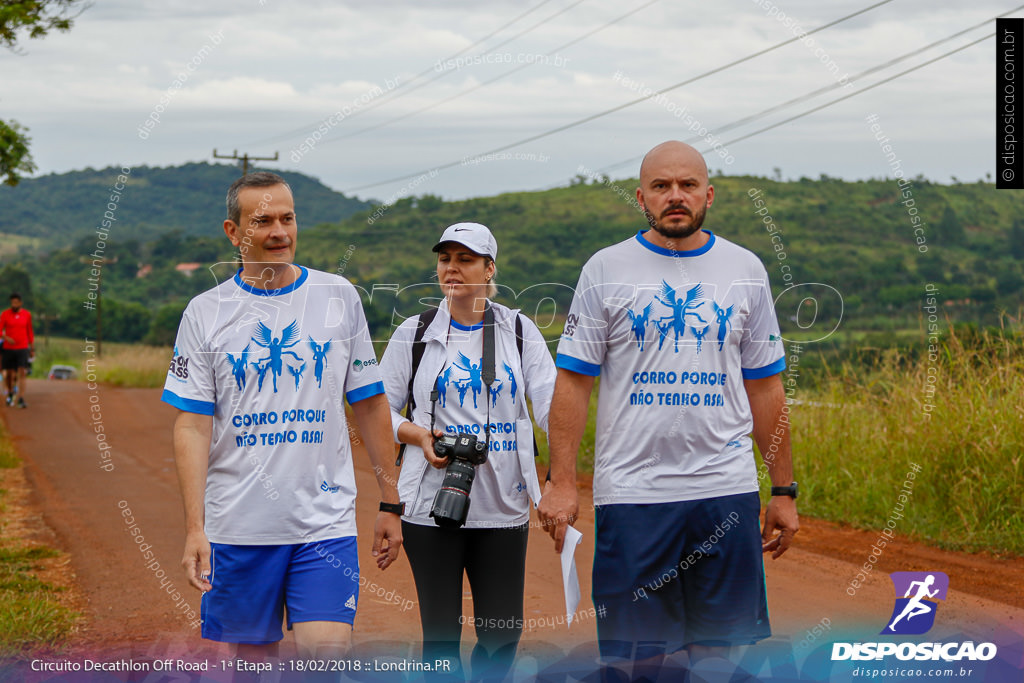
x=466, y=328
x=676, y=254
x=271, y=292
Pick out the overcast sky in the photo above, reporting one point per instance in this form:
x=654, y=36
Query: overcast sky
x=261, y=76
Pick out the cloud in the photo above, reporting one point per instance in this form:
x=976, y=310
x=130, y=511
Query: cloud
x=282, y=67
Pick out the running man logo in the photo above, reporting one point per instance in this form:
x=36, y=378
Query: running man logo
x=914, y=612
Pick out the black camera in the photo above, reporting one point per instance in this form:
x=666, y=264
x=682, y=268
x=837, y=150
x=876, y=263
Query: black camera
x=464, y=453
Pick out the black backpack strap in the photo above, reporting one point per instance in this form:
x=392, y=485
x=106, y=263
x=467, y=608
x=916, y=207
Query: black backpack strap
x=519, y=336
x=418, y=345
x=487, y=373
x=519, y=346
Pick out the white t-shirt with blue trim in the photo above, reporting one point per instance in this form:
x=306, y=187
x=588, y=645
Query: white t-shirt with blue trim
x=273, y=368
x=452, y=362
x=672, y=334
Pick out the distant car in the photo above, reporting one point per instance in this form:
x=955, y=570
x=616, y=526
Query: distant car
x=62, y=372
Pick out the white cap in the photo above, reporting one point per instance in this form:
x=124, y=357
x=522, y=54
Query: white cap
x=473, y=236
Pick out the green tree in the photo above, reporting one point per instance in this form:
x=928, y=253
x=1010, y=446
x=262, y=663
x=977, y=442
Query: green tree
x=125, y=321
x=1017, y=239
x=949, y=229
x=14, y=278
x=1009, y=279
x=164, y=325
x=429, y=203
x=36, y=18
x=167, y=248
x=931, y=266
x=76, y=321
x=15, y=160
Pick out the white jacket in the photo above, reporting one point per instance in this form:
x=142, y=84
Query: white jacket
x=536, y=375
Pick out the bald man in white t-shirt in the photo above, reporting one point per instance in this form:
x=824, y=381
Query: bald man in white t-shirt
x=679, y=323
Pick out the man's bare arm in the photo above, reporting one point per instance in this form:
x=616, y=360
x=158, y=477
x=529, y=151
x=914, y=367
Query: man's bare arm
x=373, y=415
x=567, y=420
x=771, y=432
x=191, y=457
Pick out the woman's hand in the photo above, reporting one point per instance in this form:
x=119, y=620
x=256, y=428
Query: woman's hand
x=427, y=444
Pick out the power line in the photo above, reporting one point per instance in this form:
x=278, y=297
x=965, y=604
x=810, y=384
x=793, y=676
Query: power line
x=489, y=51
x=488, y=82
x=427, y=71
x=862, y=90
x=820, y=91
x=537, y=25
x=485, y=38
x=631, y=103
x=853, y=94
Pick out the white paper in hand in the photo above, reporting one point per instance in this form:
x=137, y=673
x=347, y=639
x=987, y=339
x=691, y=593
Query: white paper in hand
x=570, y=581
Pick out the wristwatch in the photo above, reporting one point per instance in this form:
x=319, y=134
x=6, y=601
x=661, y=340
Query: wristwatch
x=785, y=490
x=397, y=508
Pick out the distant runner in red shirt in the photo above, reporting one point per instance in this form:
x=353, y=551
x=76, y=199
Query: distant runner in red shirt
x=19, y=345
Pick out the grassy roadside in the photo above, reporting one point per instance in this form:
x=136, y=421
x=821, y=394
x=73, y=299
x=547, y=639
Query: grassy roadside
x=32, y=620
x=858, y=427
x=125, y=365
x=856, y=438
x=857, y=433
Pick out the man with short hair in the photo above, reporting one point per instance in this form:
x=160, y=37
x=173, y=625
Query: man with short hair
x=680, y=325
x=262, y=365
x=18, y=348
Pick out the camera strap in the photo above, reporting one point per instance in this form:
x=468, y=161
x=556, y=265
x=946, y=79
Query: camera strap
x=487, y=366
x=487, y=371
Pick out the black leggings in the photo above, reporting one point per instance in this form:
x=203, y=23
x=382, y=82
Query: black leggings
x=495, y=562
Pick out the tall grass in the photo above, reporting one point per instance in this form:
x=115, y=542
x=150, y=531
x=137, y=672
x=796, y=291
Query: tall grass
x=133, y=366
x=32, y=619
x=8, y=457
x=855, y=438
x=129, y=365
x=859, y=430
x=56, y=351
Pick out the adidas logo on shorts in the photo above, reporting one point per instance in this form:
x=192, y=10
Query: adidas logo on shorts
x=351, y=602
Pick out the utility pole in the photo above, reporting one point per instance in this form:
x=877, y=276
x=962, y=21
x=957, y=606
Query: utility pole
x=99, y=298
x=46, y=318
x=245, y=158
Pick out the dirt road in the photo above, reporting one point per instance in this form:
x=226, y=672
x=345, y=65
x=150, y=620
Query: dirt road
x=84, y=493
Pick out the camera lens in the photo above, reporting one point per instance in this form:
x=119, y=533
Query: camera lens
x=451, y=502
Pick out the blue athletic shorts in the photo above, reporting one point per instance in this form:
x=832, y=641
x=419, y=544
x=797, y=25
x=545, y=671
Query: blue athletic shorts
x=253, y=584
x=677, y=574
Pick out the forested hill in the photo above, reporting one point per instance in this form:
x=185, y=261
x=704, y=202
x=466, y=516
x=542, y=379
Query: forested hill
x=856, y=238
x=57, y=209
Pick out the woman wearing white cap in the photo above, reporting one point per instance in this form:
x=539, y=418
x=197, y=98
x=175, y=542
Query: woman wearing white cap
x=460, y=389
